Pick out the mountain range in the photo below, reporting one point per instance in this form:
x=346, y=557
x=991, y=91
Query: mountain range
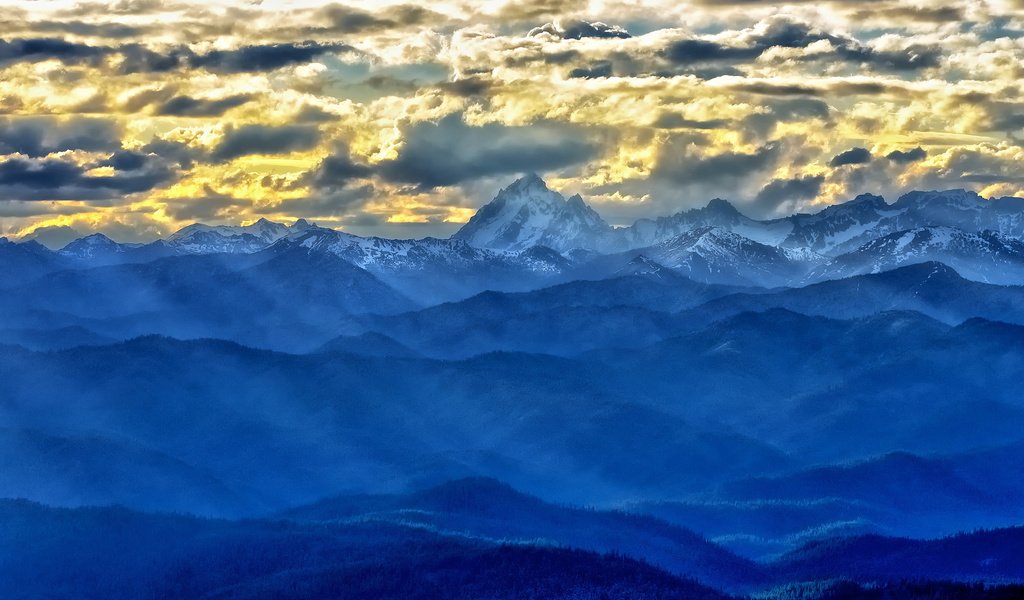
x=694, y=406
x=529, y=236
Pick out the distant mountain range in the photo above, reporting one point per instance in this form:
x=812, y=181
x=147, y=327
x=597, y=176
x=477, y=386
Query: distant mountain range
x=763, y=406
x=529, y=236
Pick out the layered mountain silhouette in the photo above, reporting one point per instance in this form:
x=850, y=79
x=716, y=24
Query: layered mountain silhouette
x=818, y=406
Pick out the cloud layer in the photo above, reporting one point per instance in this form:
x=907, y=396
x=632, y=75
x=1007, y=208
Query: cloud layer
x=137, y=117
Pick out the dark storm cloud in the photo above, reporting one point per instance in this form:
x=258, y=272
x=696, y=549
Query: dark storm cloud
x=907, y=156
x=265, y=139
x=39, y=136
x=335, y=202
x=175, y=152
x=36, y=49
x=913, y=57
x=337, y=171
x=187, y=106
x=1000, y=116
x=838, y=88
x=58, y=179
x=343, y=19
x=450, y=151
x=314, y=114
x=786, y=194
x=595, y=71
x=467, y=87
x=266, y=57
x=208, y=206
x=683, y=166
x=689, y=51
x=575, y=29
x=768, y=88
x=126, y=160
x=670, y=120
x=137, y=58
x=853, y=156
x=782, y=33
x=762, y=125
x=979, y=166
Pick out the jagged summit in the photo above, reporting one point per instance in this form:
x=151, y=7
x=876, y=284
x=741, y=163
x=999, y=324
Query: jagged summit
x=527, y=213
x=871, y=200
x=718, y=206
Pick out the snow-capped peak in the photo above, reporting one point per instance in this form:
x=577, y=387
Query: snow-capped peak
x=90, y=246
x=199, y=238
x=527, y=213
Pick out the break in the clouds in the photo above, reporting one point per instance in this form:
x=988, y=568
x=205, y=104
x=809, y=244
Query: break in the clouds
x=142, y=116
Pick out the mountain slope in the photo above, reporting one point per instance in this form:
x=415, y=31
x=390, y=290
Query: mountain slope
x=986, y=256
x=527, y=213
x=931, y=288
x=718, y=213
x=26, y=261
x=283, y=429
x=117, y=553
x=252, y=298
x=565, y=319
x=207, y=239
x=488, y=509
x=992, y=556
x=432, y=270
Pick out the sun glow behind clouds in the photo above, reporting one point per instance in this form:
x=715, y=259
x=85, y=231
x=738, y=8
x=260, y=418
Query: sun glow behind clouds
x=136, y=117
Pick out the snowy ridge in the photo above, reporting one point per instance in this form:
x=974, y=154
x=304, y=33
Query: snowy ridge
x=986, y=256
x=92, y=246
x=207, y=239
x=530, y=235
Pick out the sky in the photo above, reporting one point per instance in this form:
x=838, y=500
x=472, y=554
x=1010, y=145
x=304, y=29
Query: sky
x=136, y=117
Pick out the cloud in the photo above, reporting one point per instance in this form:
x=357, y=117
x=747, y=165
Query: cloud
x=575, y=29
x=337, y=171
x=783, y=196
x=686, y=167
x=266, y=57
x=913, y=14
x=785, y=33
x=37, y=49
x=40, y=136
x=175, y=152
x=853, y=156
x=53, y=237
x=61, y=179
x=595, y=71
x=210, y=205
x=907, y=156
x=265, y=139
x=334, y=203
x=136, y=58
x=671, y=120
x=345, y=19
x=187, y=106
x=450, y=151
x=467, y=87
x=690, y=51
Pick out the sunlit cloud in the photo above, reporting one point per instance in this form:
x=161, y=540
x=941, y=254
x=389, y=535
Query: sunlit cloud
x=138, y=117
